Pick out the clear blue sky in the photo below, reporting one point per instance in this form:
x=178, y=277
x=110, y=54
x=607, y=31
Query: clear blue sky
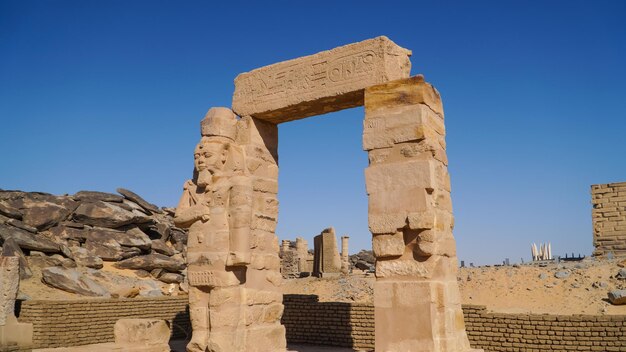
x=96, y=95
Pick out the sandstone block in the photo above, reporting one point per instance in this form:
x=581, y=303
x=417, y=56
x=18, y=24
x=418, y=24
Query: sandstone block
x=321, y=83
x=402, y=92
x=422, y=220
x=263, y=297
x=401, y=175
x=258, y=134
x=386, y=223
x=401, y=124
x=266, y=338
x=388, y=245
x=402, y=267
x=141, y=331
x=418, y=316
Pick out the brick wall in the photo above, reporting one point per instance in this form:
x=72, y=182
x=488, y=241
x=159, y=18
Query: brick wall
x=80, y=322
x=529, y=332
x=72, y=323
x=328, y=323
x=609, y=218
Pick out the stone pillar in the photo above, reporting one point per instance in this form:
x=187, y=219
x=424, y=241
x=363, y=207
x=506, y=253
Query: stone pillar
x=345, y=257
x=263, y=279
x=9, y=286
x=327, y=260
x=284, y=246
x=302, y=248
x=416, y=297
x=13, y=334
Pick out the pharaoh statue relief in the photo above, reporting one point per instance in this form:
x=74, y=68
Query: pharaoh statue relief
x=216, y=206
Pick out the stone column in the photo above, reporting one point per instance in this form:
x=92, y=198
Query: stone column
x=345, y=257
x=14, y=335
x=284, y=246
x=416, y=297
x=302, y=248
x=9, y=286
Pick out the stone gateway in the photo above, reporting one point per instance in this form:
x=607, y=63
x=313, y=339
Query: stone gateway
x=231, y=209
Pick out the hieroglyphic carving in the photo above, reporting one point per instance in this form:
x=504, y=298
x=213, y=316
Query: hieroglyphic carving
x=317, y=84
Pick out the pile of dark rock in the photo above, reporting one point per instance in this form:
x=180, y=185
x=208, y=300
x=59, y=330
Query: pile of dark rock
x=70, y=236
x=364, y=260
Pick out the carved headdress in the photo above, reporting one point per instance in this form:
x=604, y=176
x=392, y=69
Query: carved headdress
x=219, y=122
x=220, y=126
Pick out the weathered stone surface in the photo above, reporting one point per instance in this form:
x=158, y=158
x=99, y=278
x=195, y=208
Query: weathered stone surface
x=83, y=257
x=617, y=297
x=391, y=245
x=151, y=261
x=159, y=231
x=44, y=261
x=10, y=248
x=321, y=83
x=141, y=331
x=400, y=125
x=171, y=278
x=101, y=196
x=9, y=286
x=159, y=246
x=134, y=237
x=405, y=175
x=402, y=92
x=44, y=215
x=109, y=249
x=129, y=252
x=179, y=239
x=105, y=214
x=20, y=225
x=71, y=280
x=27, y=240
x=137, y=199
x=7, y=210
x=406, y=320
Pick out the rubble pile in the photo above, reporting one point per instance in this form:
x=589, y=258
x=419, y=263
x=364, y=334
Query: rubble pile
x=70, y=237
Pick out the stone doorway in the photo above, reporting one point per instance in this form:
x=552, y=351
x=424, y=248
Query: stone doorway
x=417, y=302
x=416, y=297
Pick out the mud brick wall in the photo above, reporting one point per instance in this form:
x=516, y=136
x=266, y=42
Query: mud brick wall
x=328, y=323
x=528, y=332
x=80, y=322
x=73, y=323
x=609, y=218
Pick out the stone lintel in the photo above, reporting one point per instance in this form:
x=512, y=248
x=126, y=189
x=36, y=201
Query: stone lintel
x=328, y=81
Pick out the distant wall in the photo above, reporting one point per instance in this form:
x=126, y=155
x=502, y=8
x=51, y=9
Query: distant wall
x=72, y=323
x=328, y=323
x=81, y=322
x=609, y=218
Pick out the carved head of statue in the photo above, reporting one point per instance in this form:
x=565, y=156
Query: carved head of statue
x=210, y=157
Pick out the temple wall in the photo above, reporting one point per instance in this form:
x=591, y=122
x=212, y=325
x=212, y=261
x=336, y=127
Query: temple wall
x=609, y=219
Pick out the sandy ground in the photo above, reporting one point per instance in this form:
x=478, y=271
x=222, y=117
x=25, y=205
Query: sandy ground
x=506, y=289
x=511, y=289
